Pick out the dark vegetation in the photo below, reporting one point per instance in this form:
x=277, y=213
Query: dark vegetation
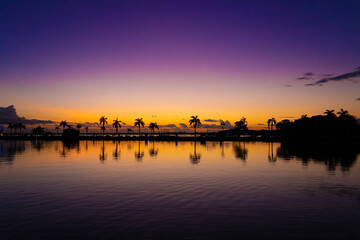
x=329, y=127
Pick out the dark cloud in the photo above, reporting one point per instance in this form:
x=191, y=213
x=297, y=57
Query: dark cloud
x=260, y=124
x=211, y=120
x=358, y=99
x=169, y=126
x=343, y=77
x=304, y=78
x=183, y=125
x=308, y=74
x=288, y=85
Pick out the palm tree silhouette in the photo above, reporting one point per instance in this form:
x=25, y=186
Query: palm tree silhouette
x=11, y=127
x=103, y=121
x=139, y=122
x=330, y=113
x=16, y=125
x=222, y=124
x=63, y=124
x=116, y=125
x=343, y=113
x=271, y=122
x=195, y=121
x=86, y=129
x=153, y=126
x=21, y=126
x=129, y=130
x=57, y=129
x=78, y=126
x=242, y=124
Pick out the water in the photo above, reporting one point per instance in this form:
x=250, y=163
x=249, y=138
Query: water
x=168, y=190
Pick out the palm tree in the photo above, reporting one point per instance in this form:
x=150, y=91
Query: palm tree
x=116, y=124
x=69, y=126
x=16, y=125
x=63, y=124
x=153, y=126
x=271, y=122
x=86, y=129
x=21, y=126
x=242, y=124
x=11, y=126
x=195, y=121
x=330, y=113
x=57, y=129
x=343, y=113
x=103, y=121
x=78, y=126
x=139, y=122
x=38, y=131
x=129, y=130
x=222, y=124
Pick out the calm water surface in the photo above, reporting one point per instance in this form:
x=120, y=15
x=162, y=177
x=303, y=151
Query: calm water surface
x=168, y=190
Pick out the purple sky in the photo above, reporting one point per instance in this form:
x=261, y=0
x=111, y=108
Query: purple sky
x=206, y=57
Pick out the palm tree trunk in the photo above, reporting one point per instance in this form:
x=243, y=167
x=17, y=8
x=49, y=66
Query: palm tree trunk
x=195, y=131
x=139, y=130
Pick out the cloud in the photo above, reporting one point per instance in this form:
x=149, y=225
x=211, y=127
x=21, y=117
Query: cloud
x=168, y=126
x=260, y=124
x=343, y=77
x=308, y=74
x=288, y=85
x=183, y=125
x=211, y=120
x=304, y=78
x=358, y=99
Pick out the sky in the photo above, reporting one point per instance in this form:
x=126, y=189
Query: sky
x=165, y=61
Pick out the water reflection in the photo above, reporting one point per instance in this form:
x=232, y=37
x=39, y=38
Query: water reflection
x=332, y=155
x=195, y=157
x=340, y=156
x=116, y=153
x=102, y=155
x=271, y=157
x=241, y=152
x=139, y=154
x=9, y=149
x=152, y=151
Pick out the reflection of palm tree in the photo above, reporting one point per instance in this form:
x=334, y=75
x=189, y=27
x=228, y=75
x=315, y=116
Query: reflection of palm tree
x=222, y=149
x=116, y=125
x=102, y=156
x=195, y=121
x=152, y=151
x=195, y=158
x=271, y=156
x=139, y=154
x=63, y=124
x=240, y=152
x=116, y=153
x=139, y=122
x=153, y=126
x=103, y=121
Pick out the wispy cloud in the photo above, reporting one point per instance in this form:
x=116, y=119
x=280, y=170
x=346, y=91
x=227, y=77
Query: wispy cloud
x=358, y=99
x=325, y=78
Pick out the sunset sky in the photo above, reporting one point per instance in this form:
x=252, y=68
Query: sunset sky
x=167, y=60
